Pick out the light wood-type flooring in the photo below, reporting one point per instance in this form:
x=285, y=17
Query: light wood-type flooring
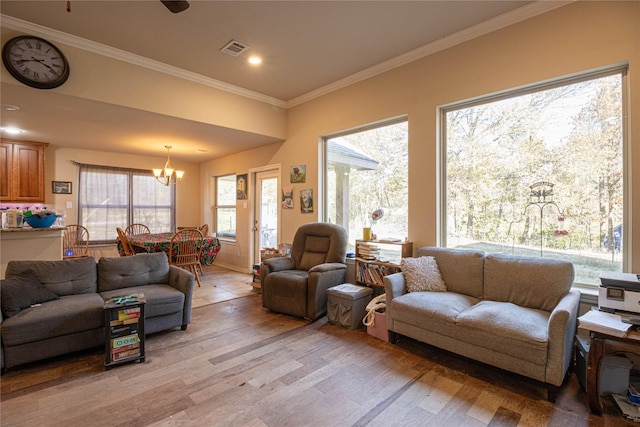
x=239, y=365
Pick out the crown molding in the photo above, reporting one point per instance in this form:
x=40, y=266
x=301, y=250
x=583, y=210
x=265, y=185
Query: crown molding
x=523, y=13
x=531, y=10
x=122, y=55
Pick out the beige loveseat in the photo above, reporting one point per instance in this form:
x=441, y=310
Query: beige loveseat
x=515, y=313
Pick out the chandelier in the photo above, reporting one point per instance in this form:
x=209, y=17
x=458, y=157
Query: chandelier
x=164, y=175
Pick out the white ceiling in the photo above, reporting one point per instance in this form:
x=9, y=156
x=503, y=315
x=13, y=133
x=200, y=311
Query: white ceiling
x=308, y=47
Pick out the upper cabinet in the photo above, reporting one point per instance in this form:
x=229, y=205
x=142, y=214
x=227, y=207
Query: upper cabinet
x=22, y=171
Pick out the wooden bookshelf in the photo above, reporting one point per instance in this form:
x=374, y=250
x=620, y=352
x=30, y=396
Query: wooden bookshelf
x=376, y=259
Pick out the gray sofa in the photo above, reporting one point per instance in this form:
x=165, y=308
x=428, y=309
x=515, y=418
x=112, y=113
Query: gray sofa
x=514, y=313
x=73, y=319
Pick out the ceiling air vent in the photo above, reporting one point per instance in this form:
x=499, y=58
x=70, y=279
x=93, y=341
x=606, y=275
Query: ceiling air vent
x=234, y=48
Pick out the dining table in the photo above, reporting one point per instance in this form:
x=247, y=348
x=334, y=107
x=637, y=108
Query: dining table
x=161, y=242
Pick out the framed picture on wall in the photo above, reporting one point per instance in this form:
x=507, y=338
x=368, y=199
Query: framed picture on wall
x=298, y=174
x=306, y=201
x=241, y=187
x=287, y=197
x=61, y=187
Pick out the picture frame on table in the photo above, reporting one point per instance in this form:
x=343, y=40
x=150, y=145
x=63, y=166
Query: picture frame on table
x=61, y=187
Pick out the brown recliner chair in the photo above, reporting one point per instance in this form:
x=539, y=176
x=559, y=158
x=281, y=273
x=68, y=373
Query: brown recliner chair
x=297, y=285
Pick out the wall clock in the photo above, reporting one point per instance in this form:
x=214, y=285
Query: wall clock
x=35, y=62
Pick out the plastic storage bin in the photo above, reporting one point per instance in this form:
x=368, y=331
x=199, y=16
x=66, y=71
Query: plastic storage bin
x=346, y=304
x=614, y=370
x=614, y=375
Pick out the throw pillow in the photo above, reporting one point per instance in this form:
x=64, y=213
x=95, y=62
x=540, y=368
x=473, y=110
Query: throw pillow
x=422, y=274
x=20, y=292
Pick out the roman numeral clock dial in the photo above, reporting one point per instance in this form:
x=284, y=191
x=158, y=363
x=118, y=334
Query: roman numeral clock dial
x=35, y=62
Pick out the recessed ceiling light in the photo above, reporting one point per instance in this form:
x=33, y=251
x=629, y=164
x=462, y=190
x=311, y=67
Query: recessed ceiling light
x=9, y=107
x=255, y=60
x=12, y=131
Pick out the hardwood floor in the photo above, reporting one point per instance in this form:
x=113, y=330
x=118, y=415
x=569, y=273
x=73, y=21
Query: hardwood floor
x=238, y=365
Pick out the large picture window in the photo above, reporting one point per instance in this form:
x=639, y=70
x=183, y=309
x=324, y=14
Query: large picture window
x=225, y=209
x=540, y=171
x=366, y=170
x=111, y=197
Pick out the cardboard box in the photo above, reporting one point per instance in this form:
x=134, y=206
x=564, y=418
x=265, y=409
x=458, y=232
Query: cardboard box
x=379, y=327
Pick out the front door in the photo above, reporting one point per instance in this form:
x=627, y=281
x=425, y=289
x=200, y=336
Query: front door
x=266, y=225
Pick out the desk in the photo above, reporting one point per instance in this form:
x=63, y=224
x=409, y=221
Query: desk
x=159, y=242
x=602, y=344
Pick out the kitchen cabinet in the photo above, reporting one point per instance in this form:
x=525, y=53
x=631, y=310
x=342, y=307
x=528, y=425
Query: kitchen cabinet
x=22, y=171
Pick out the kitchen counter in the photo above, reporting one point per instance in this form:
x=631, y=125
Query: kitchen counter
x=28, y=229
x=41, y=244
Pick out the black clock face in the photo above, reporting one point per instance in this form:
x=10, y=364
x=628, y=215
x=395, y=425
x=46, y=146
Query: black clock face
x=35, y=62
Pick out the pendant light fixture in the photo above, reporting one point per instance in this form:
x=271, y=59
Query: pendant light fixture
x=164, y=175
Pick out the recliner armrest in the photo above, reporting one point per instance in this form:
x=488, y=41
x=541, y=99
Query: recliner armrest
x=280, y=263
x=328, y=266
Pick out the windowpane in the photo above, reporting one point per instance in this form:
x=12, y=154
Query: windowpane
x=226, y=187
x=226, y=206
x=540, y=173
x=226, y=222
x=365, y=171
x=114, y=197
x=152, y=203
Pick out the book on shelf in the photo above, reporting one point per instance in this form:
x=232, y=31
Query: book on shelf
x=125, y=341
x=134, y=352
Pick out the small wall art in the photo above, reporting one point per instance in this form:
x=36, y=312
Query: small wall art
x=287, y=197
x=241, y=187
x=306, y=201
x=61, y=187
x=298, y=174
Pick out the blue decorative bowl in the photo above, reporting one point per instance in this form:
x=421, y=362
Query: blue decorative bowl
x=36, y=222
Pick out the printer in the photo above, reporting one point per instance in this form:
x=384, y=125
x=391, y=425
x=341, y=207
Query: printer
x=620, y=292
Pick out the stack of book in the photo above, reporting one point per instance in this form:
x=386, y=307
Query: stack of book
x=127, y=343
x=125, y=347
x=368, y=251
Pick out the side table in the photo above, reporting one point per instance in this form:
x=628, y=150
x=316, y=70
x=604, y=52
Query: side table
x=602, y=344
x=124, y=330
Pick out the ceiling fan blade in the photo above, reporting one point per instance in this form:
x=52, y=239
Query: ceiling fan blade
x=176, y=6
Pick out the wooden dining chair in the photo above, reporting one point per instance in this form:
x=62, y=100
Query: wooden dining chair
x=185, y=250
x=134, y=229
x=75, y=242
x=204, y=229
x=124, y=241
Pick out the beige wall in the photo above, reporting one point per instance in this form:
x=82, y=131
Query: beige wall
x=578, y=37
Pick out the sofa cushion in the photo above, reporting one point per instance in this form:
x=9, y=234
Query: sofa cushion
x=315, y=251
x=422, y=274
x=64, y=277
x=527, y=281
x=129, y=271
x=461, y=269
x=433, y=311
x=67, y=315
x=506, y=328
x=21, y=292
x=160, y=299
